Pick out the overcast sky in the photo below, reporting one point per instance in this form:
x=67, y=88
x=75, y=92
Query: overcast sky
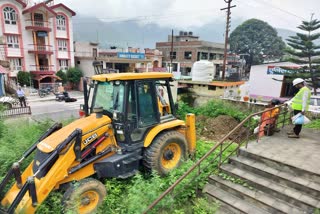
x=184, y=14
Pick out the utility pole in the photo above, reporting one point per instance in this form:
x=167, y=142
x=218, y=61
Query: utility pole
x=226, y=35
x=171, y=52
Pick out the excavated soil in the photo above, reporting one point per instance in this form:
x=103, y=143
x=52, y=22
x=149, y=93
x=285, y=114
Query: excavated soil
x=216, y=128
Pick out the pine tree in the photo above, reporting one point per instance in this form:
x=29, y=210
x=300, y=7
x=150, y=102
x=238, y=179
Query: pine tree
x=306, y=52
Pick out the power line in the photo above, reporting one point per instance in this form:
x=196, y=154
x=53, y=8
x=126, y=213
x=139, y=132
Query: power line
x=275, y=7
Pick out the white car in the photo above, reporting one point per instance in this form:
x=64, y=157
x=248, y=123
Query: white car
x=314, y=105
x=8, y=102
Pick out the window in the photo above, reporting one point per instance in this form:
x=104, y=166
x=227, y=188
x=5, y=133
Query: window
x=204, y=55
x=63, y=63
x=12, y=41
x=62, y=45
x=187, y=54
x=94, y=52
x=173, y=55
x=10, y=16
x=212, y=56
x=15, y=64
x=61, y=22
x=146, y=104
x=110, y=96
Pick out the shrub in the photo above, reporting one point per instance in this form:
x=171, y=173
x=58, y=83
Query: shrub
x=24, y=78
x=74, y=75
x=63, y=76
x=213, y=108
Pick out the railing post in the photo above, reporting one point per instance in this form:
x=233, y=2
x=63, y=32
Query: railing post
x=220, y=156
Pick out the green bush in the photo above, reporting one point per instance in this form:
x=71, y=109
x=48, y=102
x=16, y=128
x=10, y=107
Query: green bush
x=24, y=78
x=315, y=124
x=63, y=76
x=213, y=108
x=74, y=75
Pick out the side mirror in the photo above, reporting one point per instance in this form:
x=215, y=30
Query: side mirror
x=117, y=116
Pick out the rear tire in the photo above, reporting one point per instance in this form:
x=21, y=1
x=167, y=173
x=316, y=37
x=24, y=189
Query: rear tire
x=84, y=196
x=166, y=152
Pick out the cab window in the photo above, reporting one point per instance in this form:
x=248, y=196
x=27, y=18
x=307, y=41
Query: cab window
x=148, y=113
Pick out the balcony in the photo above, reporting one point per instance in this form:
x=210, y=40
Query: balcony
x=41, y=69
x=40, y=49
x=38, y=25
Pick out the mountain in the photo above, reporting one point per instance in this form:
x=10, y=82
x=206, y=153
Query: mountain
x=284, y=33
x=131, y=34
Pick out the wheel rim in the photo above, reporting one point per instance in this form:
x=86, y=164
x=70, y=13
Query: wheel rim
x=171, y=156
x=88, y=201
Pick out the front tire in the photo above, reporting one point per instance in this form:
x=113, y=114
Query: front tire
x=166, y=152
x=84, y=196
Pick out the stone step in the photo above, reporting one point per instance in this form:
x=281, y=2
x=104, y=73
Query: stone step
x=230, y=202
x=285, y=178
x=288, y=194
x=305, y=174
x=255, y=197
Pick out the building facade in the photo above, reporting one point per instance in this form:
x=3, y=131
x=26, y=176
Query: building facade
x=38, y=38
x=116, y=59
x=187, y=49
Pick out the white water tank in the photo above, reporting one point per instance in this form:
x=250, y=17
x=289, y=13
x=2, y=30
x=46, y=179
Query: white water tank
x=203, y=70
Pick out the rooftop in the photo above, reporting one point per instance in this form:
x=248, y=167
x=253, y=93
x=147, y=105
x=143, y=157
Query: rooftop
x=132, y=76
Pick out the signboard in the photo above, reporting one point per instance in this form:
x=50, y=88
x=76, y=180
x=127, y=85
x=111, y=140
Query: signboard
x=127, y=55
x=42, y=34
x=282, y=70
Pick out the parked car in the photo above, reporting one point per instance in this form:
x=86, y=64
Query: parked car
x=8, y=102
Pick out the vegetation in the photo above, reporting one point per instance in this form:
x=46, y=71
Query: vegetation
x=213, y=108
x=315, y=124
x=304, y=51
x=24, y=78
x=74, y=75
x=258, y=40
x=63, y=76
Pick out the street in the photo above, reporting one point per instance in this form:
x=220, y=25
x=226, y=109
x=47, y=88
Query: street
x=54, y=110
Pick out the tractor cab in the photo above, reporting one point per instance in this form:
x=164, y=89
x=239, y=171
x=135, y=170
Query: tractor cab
x=135, y=102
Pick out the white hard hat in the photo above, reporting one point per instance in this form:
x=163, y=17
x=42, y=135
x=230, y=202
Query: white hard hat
x=297, y=81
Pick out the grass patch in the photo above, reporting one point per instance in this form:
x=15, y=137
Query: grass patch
x=315, y=124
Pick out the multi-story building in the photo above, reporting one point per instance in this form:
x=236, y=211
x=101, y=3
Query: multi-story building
x=187, y=49
x=38, y=38
x=116, y=59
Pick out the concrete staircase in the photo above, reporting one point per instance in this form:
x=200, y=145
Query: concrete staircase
x=275, y=186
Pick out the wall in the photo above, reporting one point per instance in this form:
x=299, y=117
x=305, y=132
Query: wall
x=262, y=84
x=85, y=66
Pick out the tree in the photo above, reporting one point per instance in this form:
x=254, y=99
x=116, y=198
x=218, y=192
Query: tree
x=24, y=78
x=63, y=76
x=305, y=52
x=74, y=75
x=257, y=39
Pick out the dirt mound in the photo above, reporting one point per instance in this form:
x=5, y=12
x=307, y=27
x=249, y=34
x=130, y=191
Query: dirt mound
x=217, y=128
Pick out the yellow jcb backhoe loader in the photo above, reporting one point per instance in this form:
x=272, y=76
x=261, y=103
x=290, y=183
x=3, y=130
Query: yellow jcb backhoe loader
x=127, y=124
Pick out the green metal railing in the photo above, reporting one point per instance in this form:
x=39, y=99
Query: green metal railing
x=242, y=134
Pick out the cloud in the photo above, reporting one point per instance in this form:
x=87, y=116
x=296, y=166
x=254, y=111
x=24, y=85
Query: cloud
x=186, y=14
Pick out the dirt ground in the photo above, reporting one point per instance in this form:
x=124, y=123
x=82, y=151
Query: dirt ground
x=216, y=128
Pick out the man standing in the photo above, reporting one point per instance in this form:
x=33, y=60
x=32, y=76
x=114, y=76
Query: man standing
x=21, y=97
x=300, y=104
